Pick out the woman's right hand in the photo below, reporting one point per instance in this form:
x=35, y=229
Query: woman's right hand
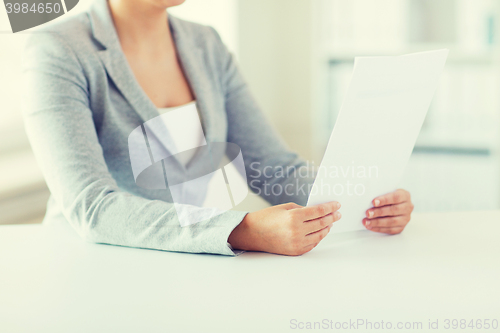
x=288, y=229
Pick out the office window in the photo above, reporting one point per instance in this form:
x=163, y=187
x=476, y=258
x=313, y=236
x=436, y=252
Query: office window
x=455, y=164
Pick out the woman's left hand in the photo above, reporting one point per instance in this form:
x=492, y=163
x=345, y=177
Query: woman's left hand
x=390, y=214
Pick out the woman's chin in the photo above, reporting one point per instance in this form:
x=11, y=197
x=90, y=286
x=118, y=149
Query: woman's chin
x=168, y=3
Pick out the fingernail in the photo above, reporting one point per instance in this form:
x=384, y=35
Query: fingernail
x=337, y=205
x=367, y=222
x=370, y=213
x=376, y=202
x=338, y=215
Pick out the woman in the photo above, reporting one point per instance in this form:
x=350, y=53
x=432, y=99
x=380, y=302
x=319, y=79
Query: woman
x=93, y=78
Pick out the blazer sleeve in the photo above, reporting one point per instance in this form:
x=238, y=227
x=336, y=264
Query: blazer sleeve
x=274, y=172
x=60, y=127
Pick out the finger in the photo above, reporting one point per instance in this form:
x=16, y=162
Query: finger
x=317, y=236
x=391, y=210
x=318, y=224
x=317, y=211
x=389, y=231
x=386, y=222
x=309, y=247
x=396, y=197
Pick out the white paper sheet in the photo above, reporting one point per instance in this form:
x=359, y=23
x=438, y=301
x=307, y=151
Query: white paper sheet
x=375, y=132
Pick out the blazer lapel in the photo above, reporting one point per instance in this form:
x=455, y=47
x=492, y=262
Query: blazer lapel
x=192, y=61
x=116, y=63
x=191, y=57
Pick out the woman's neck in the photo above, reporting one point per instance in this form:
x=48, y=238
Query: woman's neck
x=140, y=25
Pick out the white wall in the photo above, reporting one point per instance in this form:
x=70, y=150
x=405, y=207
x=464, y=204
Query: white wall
x=220, y=14
x=275, y=46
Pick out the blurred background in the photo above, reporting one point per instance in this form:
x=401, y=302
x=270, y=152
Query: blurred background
x=297, y=56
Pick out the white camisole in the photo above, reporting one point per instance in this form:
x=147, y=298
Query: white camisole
x=186, y=131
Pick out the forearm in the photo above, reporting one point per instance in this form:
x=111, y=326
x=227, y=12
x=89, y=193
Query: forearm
x=132, y=221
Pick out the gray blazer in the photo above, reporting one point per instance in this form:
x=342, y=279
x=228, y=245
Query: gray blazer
x=81, y=102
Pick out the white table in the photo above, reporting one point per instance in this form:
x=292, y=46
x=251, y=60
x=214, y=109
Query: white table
x=443, y=266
